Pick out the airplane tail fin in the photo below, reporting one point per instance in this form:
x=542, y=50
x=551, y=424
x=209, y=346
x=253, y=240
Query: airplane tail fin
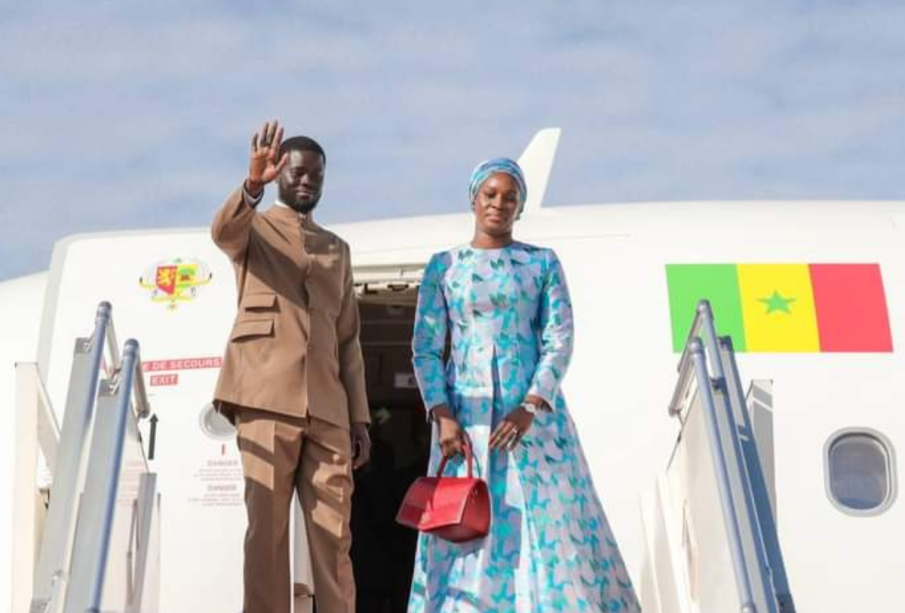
x=537, y=162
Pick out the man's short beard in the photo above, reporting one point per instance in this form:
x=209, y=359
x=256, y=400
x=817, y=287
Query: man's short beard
x=304, y=207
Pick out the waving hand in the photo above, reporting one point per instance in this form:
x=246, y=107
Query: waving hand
x=263, y=166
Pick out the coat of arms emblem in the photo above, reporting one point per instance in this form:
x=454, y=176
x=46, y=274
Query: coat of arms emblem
x=174, y=281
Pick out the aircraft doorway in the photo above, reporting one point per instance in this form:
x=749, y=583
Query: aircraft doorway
x=383, y=552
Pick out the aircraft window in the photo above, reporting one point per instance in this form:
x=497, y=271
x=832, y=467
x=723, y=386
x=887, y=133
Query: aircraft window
x=860, y=471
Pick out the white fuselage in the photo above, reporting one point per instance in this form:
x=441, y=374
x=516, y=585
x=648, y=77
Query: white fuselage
x=618, y=387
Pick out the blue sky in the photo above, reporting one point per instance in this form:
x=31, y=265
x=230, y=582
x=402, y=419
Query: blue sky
x=131, y=115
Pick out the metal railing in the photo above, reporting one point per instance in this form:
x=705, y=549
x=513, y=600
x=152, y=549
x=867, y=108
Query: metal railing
x=92, y=542
x=96, y=410
x=761, y=495
x=702, y=322
x=702, y=369
x=87, y=361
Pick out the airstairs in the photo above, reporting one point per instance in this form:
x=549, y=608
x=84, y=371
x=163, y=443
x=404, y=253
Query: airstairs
x=96, y=528
x=711, y=538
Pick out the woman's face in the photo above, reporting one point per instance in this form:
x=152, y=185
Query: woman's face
x=496, y=205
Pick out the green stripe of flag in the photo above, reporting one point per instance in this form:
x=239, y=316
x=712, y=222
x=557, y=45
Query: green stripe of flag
x=718, y=283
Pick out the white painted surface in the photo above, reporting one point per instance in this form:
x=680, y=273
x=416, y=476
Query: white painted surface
x=25, y=497
x=620, y=382
x=20, y=307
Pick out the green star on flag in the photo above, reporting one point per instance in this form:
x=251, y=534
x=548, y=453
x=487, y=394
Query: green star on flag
x=777, y=303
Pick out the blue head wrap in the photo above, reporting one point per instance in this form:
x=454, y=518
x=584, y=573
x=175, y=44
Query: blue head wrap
x=487, y=169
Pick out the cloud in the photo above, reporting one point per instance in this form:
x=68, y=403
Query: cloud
x=134, y=116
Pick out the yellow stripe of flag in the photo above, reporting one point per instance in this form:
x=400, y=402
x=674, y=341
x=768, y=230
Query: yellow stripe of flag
x=778, y=307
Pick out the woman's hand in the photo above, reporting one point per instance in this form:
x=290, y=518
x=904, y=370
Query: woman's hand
x=510, y=431
x=449, y=432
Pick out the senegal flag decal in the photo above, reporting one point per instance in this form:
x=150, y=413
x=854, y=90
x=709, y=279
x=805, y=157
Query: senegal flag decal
x=785, y=308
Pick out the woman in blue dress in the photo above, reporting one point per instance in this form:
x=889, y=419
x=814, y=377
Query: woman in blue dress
x=506, y=309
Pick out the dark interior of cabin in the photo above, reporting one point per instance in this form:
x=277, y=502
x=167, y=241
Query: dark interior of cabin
x=383, y=551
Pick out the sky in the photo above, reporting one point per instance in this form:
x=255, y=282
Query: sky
x=125, y=115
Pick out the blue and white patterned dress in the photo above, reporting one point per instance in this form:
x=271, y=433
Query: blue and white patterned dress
x=550, y=548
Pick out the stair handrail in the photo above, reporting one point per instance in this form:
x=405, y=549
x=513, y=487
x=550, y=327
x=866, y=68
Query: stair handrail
x=699, y=360
x=702, y=322
x=91, y=549
x=702, y=363
x=55, y=557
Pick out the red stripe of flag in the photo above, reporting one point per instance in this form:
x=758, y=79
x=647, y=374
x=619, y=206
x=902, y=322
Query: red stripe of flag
x=851, y=308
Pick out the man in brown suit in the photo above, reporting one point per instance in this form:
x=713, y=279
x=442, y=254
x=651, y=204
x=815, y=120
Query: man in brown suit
x=293, y=376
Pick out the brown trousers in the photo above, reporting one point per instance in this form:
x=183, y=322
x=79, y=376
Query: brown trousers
x=281, y=454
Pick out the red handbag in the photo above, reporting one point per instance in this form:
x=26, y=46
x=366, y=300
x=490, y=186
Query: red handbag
x=456, y=509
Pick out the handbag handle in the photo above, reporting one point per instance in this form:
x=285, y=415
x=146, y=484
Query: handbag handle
x=468, y=458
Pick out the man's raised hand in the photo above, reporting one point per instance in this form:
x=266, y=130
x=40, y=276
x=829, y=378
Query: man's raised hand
x=263, y=166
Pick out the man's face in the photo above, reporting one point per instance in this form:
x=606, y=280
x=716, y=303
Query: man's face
x=302, y=180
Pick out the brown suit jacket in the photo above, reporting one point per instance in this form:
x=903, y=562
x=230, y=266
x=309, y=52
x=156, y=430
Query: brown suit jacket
x=294, y=346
